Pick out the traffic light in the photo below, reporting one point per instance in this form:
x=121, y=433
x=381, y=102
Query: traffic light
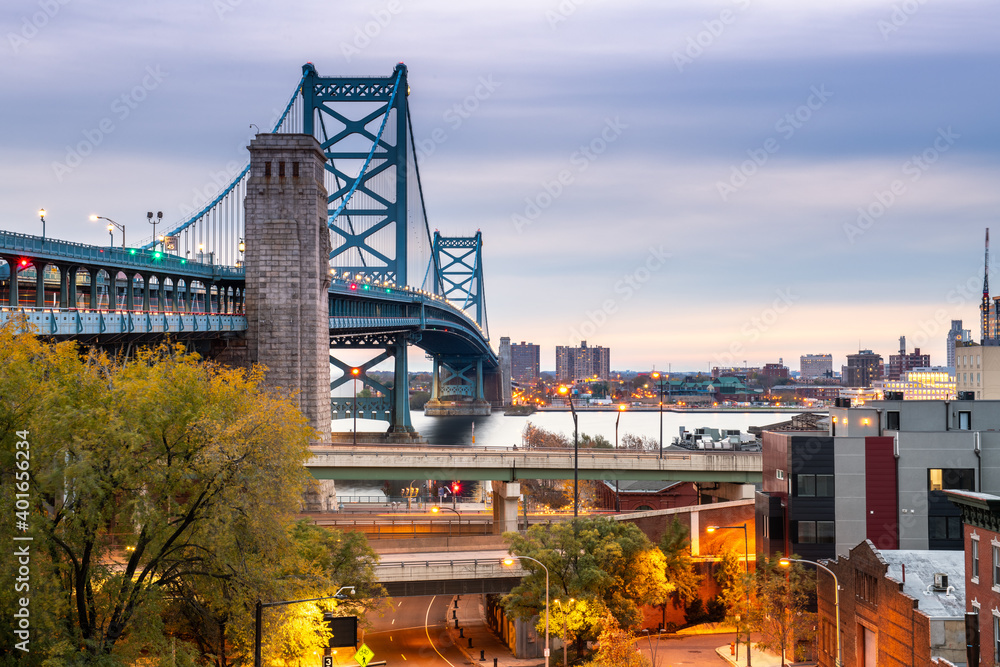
x=353, y=286
x=456, y=487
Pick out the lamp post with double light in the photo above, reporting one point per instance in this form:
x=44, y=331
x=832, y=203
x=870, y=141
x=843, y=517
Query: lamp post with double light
x=510, y=561
x=746, y=555
x=567, y=392
x=785, y=562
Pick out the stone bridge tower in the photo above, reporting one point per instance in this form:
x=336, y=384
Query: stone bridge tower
x=287, y=272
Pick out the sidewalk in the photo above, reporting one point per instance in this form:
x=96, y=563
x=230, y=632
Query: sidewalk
x=758, y=658
x=470, y=615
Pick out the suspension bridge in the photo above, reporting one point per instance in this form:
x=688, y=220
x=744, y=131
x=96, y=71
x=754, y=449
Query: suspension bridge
x=319, y=245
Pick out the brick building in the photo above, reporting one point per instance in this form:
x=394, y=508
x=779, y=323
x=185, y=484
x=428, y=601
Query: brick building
x=903, y=362
x=891, y=613
x=644, y=495
x=981, y=538
x=582, y=363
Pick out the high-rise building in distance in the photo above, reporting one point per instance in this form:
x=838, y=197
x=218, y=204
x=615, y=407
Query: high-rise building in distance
x=862, y=369
x=812, y=366
x=956, y=335
x=579, y=363
x=524, y=362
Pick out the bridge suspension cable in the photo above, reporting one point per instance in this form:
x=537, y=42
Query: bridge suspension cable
x=212, y=234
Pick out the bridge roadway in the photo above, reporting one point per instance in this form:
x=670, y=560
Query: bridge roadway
x=454, y=573
x=429, y=462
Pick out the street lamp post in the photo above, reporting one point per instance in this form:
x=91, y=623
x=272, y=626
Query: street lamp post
x=438, y=508
x=618, y=501
x=565, y=391
x=510, y=561
x=41, y=214
x=785, y=562
x=565, y=631
x=111, y=226
x=746, y=556
x=154, y=221
x=355, y=372
x=258, y=613
x=659, y=388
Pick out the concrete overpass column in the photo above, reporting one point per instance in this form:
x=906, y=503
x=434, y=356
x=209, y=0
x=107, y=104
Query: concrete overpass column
x=287, y=261
x=505, y=497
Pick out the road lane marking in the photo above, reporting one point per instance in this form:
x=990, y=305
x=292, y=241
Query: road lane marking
x=428, y=632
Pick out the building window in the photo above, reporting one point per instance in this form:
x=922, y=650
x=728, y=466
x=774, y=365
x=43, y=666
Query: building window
x=816, y=532
x=958, y=479
x=996, y=566
x=996, y=638
x=975, y=561
x=964, y=420
x=780, y=474
x=814, y=486
x=866, y=588
x=944, y=527
x=892, y=420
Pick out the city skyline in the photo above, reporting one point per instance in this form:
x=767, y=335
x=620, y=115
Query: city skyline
x=693, y=185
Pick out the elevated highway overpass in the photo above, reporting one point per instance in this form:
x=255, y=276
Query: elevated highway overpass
x=343, y=462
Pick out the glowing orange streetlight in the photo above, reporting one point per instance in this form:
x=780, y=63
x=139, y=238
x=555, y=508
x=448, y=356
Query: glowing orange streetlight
x=565, y=391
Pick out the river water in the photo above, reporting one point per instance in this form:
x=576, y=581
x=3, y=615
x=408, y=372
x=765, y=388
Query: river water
x=499, y=430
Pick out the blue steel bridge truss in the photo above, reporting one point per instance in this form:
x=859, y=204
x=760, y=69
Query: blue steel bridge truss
x=372, y=177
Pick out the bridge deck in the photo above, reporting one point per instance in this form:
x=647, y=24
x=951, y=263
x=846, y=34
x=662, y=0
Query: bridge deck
x=392, y=462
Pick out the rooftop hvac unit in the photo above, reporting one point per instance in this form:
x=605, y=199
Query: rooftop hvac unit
x=940, y=581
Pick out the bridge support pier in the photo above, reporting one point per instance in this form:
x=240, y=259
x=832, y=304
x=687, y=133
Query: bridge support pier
x=457, y=387
x=505, y=498
x=288, y=277
x=393, y=404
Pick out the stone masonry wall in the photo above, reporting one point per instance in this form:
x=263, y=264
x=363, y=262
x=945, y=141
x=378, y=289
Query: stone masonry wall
x=287, y=271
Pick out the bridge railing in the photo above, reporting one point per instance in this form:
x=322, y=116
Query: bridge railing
x=476, y=568
x=343, y=285
x=106, y=255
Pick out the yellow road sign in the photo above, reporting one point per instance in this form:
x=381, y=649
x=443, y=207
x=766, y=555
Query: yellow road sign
x=364, y=655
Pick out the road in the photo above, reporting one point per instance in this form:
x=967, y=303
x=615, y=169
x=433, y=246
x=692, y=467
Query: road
x=686, y=651
x=414, y=634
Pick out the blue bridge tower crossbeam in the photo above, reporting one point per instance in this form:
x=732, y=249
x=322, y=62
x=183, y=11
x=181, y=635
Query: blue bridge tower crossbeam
x=459, y=262
x=366, y=157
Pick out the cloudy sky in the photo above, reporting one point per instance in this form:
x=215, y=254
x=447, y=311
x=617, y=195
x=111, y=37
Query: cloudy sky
x=688, y=183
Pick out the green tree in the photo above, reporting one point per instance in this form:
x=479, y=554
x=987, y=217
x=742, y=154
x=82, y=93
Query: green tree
x=608, y=565
x=780, y=613
x=147, y=477
x=595, y=442
x=616, y=646
x=737, y=590
x=679, y=565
